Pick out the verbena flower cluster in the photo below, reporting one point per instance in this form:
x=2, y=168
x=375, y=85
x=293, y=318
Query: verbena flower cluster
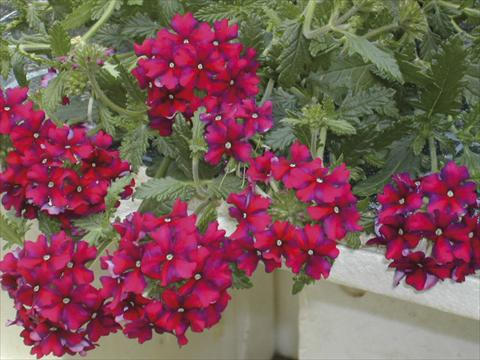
x=57, y=306
x=57, y=170
x=166, y=276
x=197, y=65
x=430, y=226
x=310, y=250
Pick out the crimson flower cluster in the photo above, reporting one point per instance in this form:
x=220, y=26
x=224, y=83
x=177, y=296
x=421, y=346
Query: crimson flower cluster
x=310, y=250
x=430, y=226
x=166, y=276
x=200, y=66
x=58, y=170
x=58, y=308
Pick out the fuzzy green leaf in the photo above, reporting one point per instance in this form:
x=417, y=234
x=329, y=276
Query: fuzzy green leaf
x=441, y=96
x=280, y=138
x=366, y=49
x=4, y=59
x=377, y=98
x=223, y=186
x=12, y=230
x=79, y=16
x=48, y=225
x=53, y=94
x=295, y=54
x=165, y=189
x=59, y=40
x=116, y=188
x=140, y=26
x=340, y=127
x=135, y=144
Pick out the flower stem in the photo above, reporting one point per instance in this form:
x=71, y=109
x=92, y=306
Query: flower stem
x=433, y=153
x=105, y=100
x=323, y=142
x=268, y=91
x=313, y=143
x=105, y=16
x=373, y=33
x=162, y=169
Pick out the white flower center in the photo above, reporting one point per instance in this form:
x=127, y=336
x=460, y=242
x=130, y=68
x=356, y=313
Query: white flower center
x=218, y=117
x=279, y=242
x=46, y=257
x=167, y=220
x=254, y=116
x=232, y=82
x=70, y=264
x=186, y=41
x=450, y=193
x=292, y=165
x=244, y=215
x=79, y=189
x=138, y=263
x=259, y=253
x=400, y=232
x=94, y=165
x=417, y=183
x=401, y=201
x=171, y=65
x=310, y=252
x=36, y=288
x=438, y=232
x=44, y=161
x=68, y=147
x=200, y=66
x=7, y=108
x=336, y=210
x=320, y=181
x=215, y=43
x=36, y=135
x=171, y=97
x=197, y=276
x=51, y=184
x=228, y=145
x=181, y=310
x=470, y=235
x=66, y=300
x=169, y=257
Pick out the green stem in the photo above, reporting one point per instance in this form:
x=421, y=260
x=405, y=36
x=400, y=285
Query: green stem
x=104, y=98
x=313, y=143
x=162, y=169
x=433, y=153
x=195, y=163
x=468, y=11
x=460, y=30
x=105, y=16
x=268, y=91
x=323, y=142
x=373, y=33
x=31, y=47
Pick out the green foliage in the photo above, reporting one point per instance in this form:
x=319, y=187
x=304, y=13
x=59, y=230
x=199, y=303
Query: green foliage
x=240, y=279
x=165, y=189
x=59, y=40
x=12, y=230
x=134, y=145
x=383, y=60
x=294, y=56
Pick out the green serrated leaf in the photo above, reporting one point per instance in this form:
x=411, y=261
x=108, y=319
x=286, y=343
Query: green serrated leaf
x=116, y=188
x=224, y=185
x=441, y=96
x=79, y=16
x=295, y=54
x=4, y=59
x=198, y=145
x=340, y=127
x=59, y=40
x=95, y=227
x=366, y=49
x=53, y=94
x=135, y=144
x=12, y=230
x=280, y=138
x=375, y=99
x=240, y=280
x=140, y=25
x=48, y=225
x=165, y=189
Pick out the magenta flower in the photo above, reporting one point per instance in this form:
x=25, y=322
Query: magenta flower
x=261, y=167
x=419, y=271
x=316, y=252
x=257, y=119
x=13, y=108
x=65, y=303
x=314, y=183
x=274, y=242
x=403, y=198
x=250, y=209
x=168, y=258
x=227, y=139
x=449, y=190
